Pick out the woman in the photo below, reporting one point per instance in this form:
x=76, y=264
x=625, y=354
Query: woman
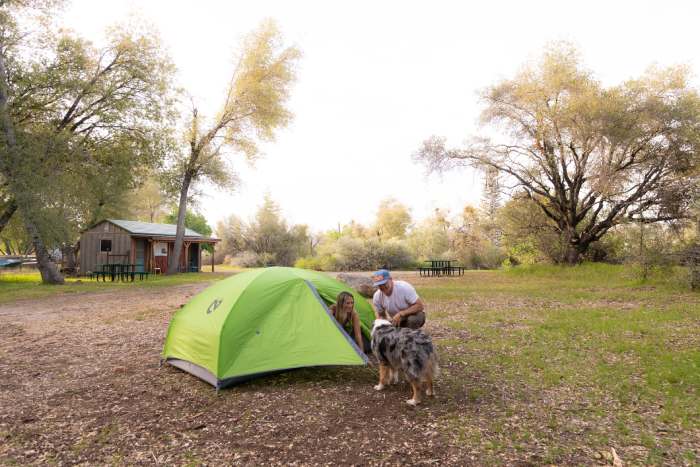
x=345, y=314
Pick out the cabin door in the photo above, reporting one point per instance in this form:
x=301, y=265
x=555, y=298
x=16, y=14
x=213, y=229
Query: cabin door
x=193, y=265
x=140, y=259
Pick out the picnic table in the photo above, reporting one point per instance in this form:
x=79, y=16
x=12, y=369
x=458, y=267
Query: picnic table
x=119, y=271
x=441, y=267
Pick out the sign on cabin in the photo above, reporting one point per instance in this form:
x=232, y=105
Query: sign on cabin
x=160, y=249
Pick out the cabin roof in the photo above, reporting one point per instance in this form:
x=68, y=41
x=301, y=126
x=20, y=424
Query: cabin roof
x=151, y=229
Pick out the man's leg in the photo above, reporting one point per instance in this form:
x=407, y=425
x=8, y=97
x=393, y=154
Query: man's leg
x=415, y=321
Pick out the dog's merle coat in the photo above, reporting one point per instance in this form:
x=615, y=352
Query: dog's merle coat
x=410, y=350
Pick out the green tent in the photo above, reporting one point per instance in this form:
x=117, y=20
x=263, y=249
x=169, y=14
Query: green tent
x=263, y=321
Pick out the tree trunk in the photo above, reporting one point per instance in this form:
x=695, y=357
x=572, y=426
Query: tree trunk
x=49, y=271
x=7, y=214
x=174, y=261
x=572, y=256
x=573, y=248
x=643, y=263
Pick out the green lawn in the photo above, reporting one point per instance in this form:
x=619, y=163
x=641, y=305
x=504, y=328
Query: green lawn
x=20, y=286
x=577, y=359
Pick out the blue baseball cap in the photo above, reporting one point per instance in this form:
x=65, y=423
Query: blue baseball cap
x=380, y=277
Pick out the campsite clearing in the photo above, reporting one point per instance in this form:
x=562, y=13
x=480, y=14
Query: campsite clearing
x=539, y=366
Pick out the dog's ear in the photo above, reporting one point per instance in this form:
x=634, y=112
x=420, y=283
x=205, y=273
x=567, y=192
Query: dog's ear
x=380, y=323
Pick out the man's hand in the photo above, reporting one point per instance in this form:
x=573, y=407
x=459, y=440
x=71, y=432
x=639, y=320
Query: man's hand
x=396, y=320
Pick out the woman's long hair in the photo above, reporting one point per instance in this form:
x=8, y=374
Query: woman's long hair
x=341, y=315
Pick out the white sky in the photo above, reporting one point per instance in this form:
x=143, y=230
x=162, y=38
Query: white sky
x=377, y=78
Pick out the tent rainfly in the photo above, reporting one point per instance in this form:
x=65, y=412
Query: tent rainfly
x=263, y=321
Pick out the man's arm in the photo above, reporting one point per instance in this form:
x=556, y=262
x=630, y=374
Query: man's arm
x=379, y=312
x=411, y=310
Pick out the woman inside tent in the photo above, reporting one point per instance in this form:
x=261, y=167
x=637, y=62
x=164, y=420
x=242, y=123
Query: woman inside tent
x=344, y=312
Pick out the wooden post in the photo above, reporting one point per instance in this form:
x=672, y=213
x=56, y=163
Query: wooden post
x=213, y=246
x=151, y=257
x=187, y=257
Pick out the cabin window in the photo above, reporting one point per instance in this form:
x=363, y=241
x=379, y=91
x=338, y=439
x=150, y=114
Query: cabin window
x=106, y=245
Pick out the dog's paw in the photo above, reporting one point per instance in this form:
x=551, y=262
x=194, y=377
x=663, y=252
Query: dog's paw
x=379, y=387
x=412, y=402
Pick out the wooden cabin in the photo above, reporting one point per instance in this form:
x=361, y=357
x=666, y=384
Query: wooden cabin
x=146, y=245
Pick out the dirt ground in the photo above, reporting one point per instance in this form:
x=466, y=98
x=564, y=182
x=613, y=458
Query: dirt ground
x=81, y=384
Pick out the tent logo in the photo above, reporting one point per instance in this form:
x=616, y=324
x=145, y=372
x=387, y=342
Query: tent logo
x=214, y=305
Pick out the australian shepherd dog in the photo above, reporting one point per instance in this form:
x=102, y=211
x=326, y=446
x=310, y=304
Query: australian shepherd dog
x=408, y=351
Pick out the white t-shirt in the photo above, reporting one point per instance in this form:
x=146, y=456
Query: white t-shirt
x=402, y=296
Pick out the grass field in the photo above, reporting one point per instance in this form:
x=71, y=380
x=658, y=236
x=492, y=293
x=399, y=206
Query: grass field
x=544, y=365
x=574, y=361
x=27, y=285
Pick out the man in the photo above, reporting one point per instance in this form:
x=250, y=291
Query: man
x=399, y=300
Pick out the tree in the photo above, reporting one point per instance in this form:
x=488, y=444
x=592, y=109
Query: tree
x=393, y=219
x=193, y=220
x=78, y=123
x=14, y=239
x=266, y=239
x=231, y=231
x=589, y=157
x=148, y=202
x=491, y=196
x=528, y=234
x=269, y=237
x=253, y=109
x=8, y=207
x=430, y=239
x=490, y=205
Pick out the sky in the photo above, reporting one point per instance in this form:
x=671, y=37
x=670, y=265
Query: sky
x=378, y=78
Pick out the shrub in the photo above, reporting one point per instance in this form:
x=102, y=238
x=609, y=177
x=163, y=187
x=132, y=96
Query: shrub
x=250, y=259
x=317, y=263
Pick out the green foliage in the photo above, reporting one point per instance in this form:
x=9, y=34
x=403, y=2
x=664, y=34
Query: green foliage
x=148, y=201
x=587, y=156
x=529, y=235
x=87, y=122
x=193, y=220
x=14, y=239
x=265, y=241
x=475, y=240
x=430, y=239
x=253, y=109
x=523, y=253
x=317, y=263
x=393, y=219
x=359, y=254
